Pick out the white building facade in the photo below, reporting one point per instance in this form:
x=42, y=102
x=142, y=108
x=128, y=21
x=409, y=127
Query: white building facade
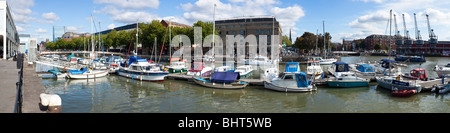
x=9, y=38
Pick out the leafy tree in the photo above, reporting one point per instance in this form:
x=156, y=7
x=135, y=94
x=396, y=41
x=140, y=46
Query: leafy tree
x=287, y=41
x=377, y=46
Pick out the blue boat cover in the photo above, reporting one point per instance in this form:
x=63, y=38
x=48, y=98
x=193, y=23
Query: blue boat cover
x=292, y=67
x=302, y=80
x=341, y=66
x=136, y=59
x=365, y=68
x=225, y=77
x=78, y=72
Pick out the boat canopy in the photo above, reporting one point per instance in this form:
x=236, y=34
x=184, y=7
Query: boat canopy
x=225, y=77
x=365, y=68
x=302, y=80
x=81, y=71
x=385, y=62
x=292, y=67
x=341, y=66
x=136, y=59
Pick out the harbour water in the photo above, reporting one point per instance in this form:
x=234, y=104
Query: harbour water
x=114, y=94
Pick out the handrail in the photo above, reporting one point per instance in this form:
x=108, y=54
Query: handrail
x=19, y=96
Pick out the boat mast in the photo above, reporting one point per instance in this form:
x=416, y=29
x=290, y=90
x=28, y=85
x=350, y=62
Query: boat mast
x=324, y=40
x=137, y=36
x=214, y=35
x=390, y=38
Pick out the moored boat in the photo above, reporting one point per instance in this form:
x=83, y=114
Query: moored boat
x=442, y=70
x=347, y=80
x=441, y=89
x=86, y=73
x=403, y=93
x=337, y=68
x=395, y=82
x=245, y=71
x=200, y=69
x=291, y=82
x=222, y=80
x=313, y=69
x=140, y=69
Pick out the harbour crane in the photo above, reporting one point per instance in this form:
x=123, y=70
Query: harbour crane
x=418, y=37
x=397, y=32
x=406, y=32
x=433, y=37
x=408, y=40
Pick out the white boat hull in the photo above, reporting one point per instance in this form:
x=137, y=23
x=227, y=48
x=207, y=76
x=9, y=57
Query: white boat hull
x=147, y=76
x=271, y=86
x=95, y=74
x=387, y=85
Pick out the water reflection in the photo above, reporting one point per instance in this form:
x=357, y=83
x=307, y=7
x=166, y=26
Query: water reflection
x=117, y=94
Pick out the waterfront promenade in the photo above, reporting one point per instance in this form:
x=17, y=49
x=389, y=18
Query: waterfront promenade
x=32, y=88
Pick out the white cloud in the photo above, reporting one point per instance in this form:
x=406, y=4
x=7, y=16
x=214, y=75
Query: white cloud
x=125, y=16
x=21, y=10
x=111, y=26
x=74, y=28
x=40, y=30
x=51, y=16
x=131, y=4
x=20, y=29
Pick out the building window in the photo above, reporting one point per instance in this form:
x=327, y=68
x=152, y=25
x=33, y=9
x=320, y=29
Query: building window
x=234, y=26
x=262, y=25
x=268, y=31
x=242, y=32
x=268, y=37
x=241, y=25
x=262, y=31
x=257, y=32
x=268, y=24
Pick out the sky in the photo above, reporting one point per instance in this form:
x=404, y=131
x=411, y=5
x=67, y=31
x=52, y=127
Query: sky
x=344, y=19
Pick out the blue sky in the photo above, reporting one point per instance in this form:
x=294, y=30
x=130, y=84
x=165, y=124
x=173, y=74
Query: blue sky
x=350, y=19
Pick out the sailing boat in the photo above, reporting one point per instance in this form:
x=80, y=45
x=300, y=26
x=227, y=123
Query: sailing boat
x=394, y=83
x=326, y=61
x=140, y=69
x=86, y=73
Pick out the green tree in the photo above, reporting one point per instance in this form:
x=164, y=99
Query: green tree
x=307, y=41
x=377, y=46
x=287, y=41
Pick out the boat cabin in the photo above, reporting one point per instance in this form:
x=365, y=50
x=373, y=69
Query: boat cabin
x=292, y=67
x=197, y=66
x=365, y=68
x=417, y=74
x=341, y=67
x=300, y=78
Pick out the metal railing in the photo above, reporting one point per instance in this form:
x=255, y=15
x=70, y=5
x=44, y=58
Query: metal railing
x=19, y=84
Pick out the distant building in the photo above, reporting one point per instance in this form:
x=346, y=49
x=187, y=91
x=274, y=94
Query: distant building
x=69, y=35
x=250, y=26
x=166, y=23
x=383, y=40
x=24, y=42
x=129, y=27
x=58, y=32
x=8, y=31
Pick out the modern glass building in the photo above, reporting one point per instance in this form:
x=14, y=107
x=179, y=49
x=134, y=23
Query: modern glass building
x=58, y=32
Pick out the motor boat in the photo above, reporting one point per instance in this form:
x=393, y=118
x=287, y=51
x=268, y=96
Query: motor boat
x=86, y=73
x=222, y=80
x=139, y=69
x=291, y=82
x=200, y=69
x=313, y=68
x=337, y=68
x=347, y=80
x=245, y=71
x=442, y=70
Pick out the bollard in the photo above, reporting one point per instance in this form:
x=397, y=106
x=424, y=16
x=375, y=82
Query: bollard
x=52, y=102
